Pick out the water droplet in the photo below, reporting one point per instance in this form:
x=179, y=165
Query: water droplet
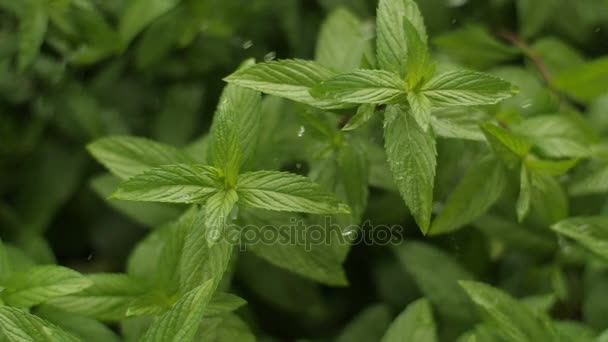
x=597, y=29
x=301, y=131
x=527, y=105
x=246, y=45
x=453, y=22
x=90, y=257
x=270, y=56
x=298, y=166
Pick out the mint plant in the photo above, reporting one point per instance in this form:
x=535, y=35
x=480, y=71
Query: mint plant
x=362, y=170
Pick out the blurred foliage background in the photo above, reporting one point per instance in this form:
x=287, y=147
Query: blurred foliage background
x=74, y=71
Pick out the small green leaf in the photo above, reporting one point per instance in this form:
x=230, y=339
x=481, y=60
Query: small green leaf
x=86, y=329
x=392, y=48
x=353, y=169
x=419, y=68
x=466, y=88
x=458, y=123
x=549, y=199
x=584, y=82
x=291, y=79
x=283, y=191
x=595, y=182
x=32, y=29
x=139, y=14
x=525, y=194
x=510, y=147
x=40, y=284
x=341, y=42
x=368, y=325
x=181, y=183
x=590, y=232
x=20, y=326
x=480, y=188
x=225, y=328
x=217, y=209
x=127, y=156
x=362, y=86
x=412, y=158
x=364, y=113
x=222, y=303
x=436, y=274
x=181, y=322
x=415, y=323
x=420, y=107
x=513, y=320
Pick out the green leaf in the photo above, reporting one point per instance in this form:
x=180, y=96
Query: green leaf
x=510, y=147
x=476, y=193
x=392, y=49
x=180, y=183
x=534, y=15
x=415, y=323
x=591, y=232
x=147, y=214
x=226, y=328
x=551, y=167
x=86, y=329
x=20, y=326
x=353, y=170
x=127, y=156
x=341, y=42
x=595, y=182
x=514, y=235
x=222, y=303
x=368, y=325
x=235, y=130
x=436, y=274
x=139, y=14
x=420, y=107
x=181, y=322
x=458, y=123
x=419, y=69
x=107, y=299
x=412, y=158
x=283, y=191
x=291, y=79
x=512, y=319
x=217, y=209
x=483, y=49
x=525, y=194
x=40, y=284
x=466, y=88
x=32, y=29
x=549, y=200
x=364, y=113
x=584, y=82
x=362, y=86
x=292, y=250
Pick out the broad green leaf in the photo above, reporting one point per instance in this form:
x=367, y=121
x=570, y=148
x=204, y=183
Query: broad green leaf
x=107, y=299
x=283, y=191
x=556, y=54
x=235, y=130
x=595, y=182
x=482, y=50
x=127, y=156
x=420, y=107
x=412, y=158
x=32, y=29
x=147, y=214
x=353, y=169
x=391, y=39
x=180, y=183
x=557, y=136
x=466, y=88
x=368, y=325
x=458, y=123
x=86, y=329
x=436, y=274
x=362, y=86
x=20, y=326
x=217, y=210
x=181, y=322
x=590, y=232
x=138, y=14
x=419, y=69
x=478, y=190
x=415, y=323
x=551, y=167
x=584, y=82
x=364, y=113
x=40, y=284
x=307, y=258
x=525, y=194
x=341, y=42
x=291, y=79
x=512, y=319
x=222, y=303
x=510, y=147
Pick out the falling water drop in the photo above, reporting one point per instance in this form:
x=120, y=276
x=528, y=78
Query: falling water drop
x=301, y=131
x=270, y=56
x=246, y=45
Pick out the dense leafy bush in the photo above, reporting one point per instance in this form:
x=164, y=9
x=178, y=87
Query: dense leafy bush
x=402, y=179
